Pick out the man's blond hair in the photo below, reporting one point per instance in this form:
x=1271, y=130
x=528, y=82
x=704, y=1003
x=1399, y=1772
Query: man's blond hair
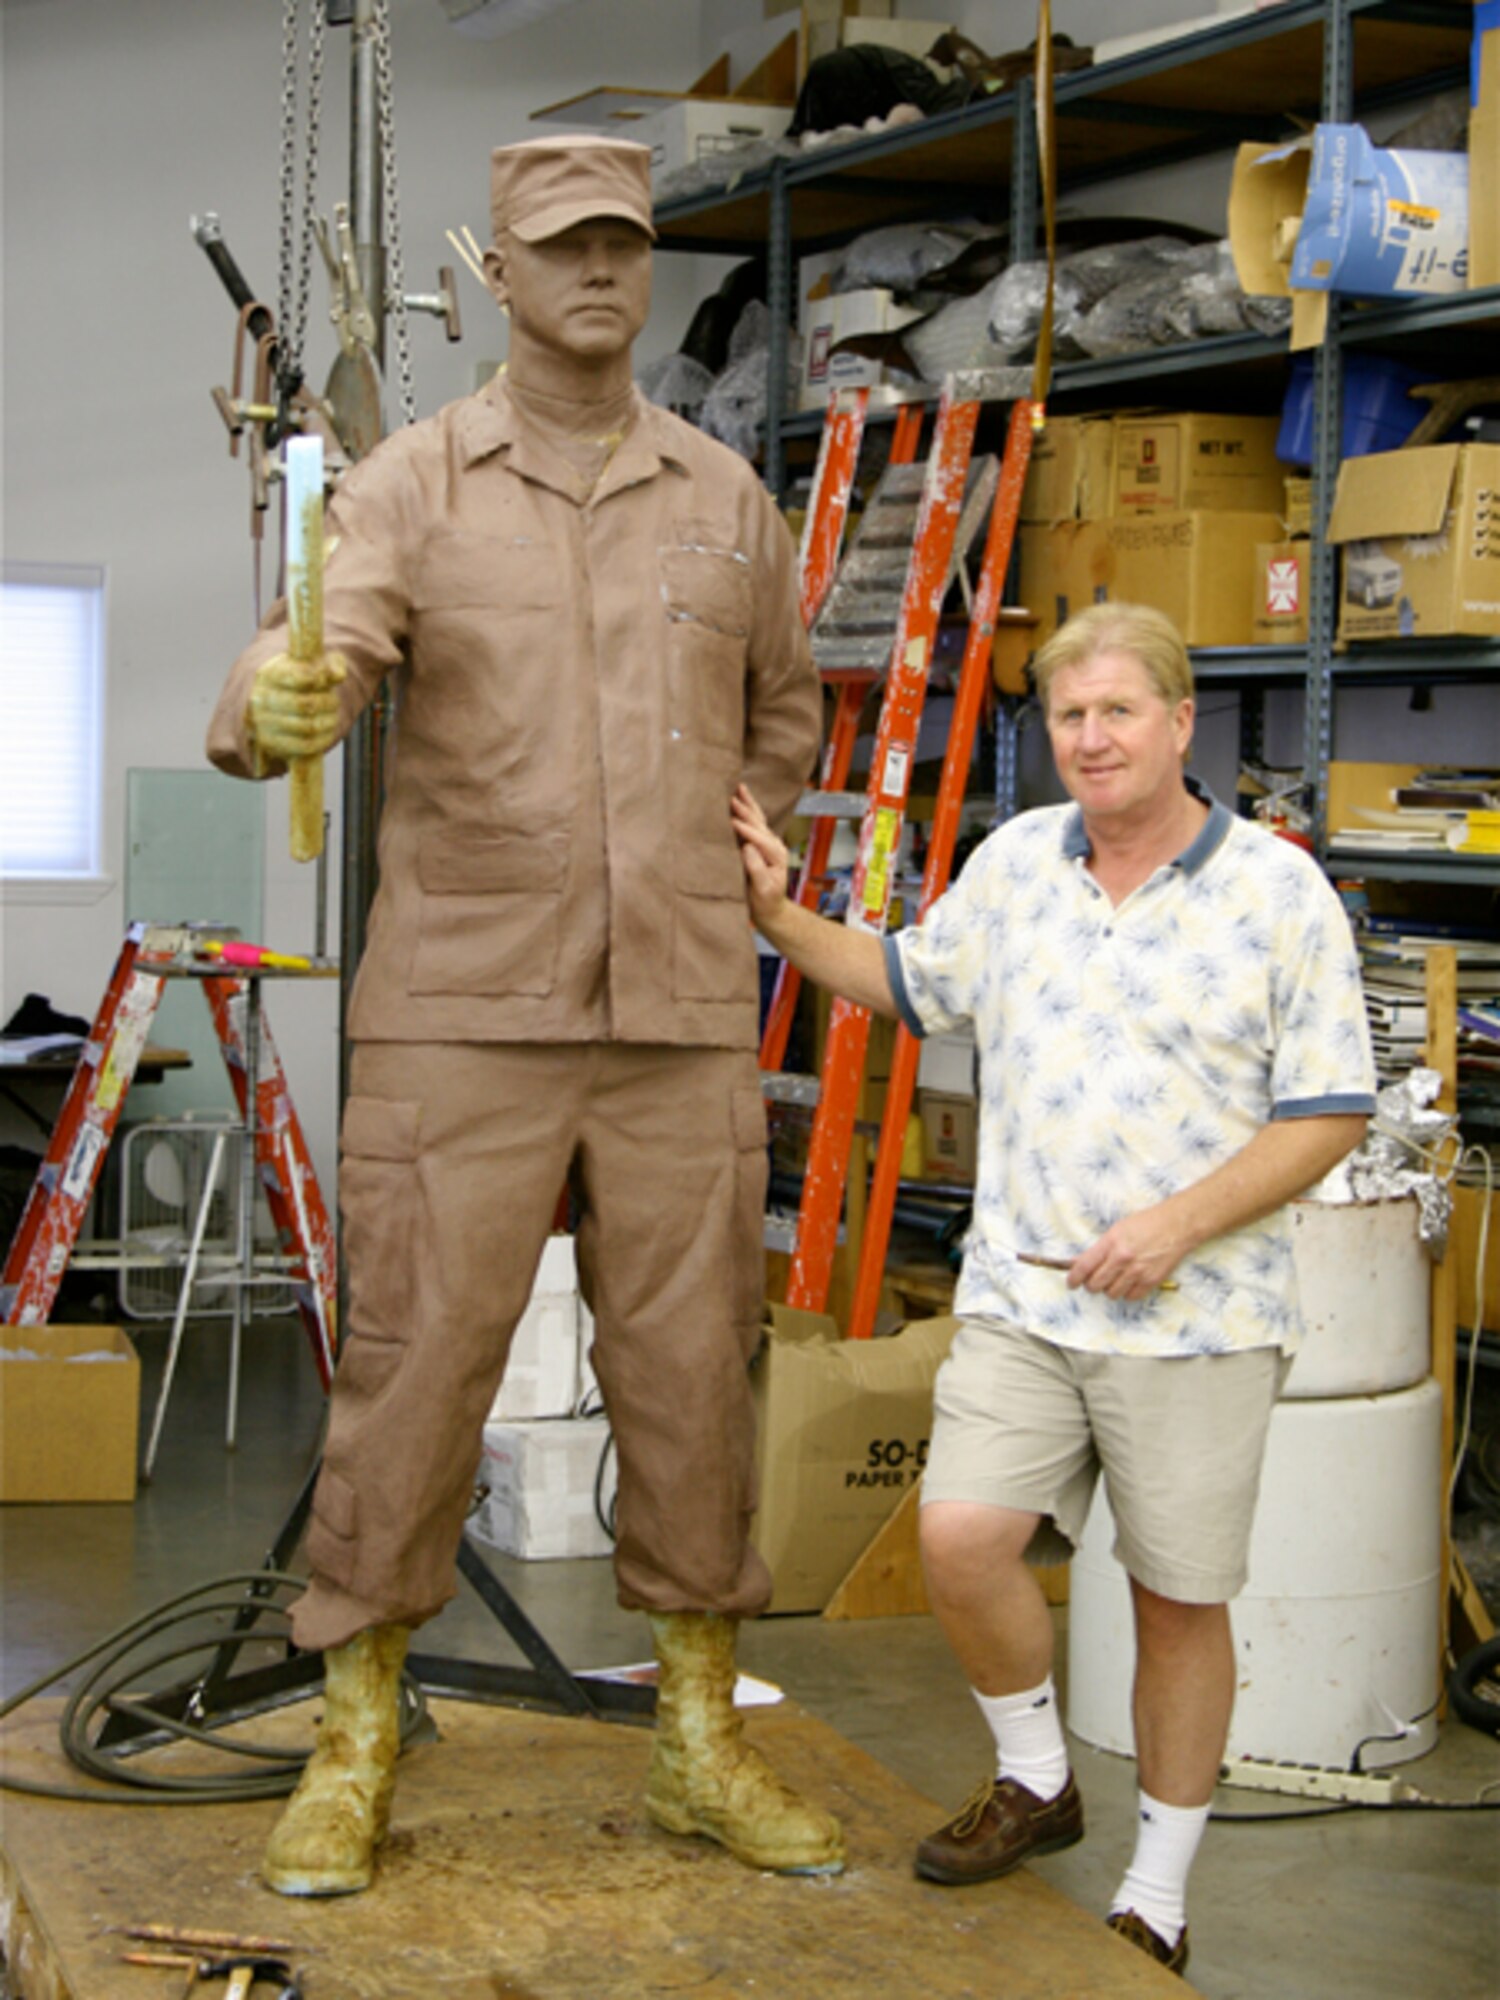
x=1140, y=630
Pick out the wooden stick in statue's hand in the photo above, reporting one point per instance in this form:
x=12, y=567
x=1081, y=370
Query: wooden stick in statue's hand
x=304, y=597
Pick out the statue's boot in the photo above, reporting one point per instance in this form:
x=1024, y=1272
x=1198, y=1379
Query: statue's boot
x=704, y=1778
x=324, y=1843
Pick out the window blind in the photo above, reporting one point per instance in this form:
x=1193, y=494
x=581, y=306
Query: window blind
x=51, y=719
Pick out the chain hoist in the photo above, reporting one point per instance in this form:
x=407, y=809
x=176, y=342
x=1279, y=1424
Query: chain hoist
x=297, y=245
x=275, y=401
x=385, y=121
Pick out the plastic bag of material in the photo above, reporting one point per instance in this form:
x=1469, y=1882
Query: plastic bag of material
x=908, y=256
x=734, y=410
x=720, y=170
x=1017, y=300
x=676, y=382
x=995, y=327
x=1192, y=294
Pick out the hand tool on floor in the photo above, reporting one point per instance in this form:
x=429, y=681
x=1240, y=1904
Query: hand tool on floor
x=245, y=1973
x=1067, y=1263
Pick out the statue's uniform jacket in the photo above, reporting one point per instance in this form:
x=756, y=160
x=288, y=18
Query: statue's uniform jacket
x=559, y=973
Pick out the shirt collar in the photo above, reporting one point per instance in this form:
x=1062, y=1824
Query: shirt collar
x=1208, y=838
x=489, y=423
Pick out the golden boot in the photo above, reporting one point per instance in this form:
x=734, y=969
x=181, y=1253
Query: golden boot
x=324, y=1843
x=704, y=1778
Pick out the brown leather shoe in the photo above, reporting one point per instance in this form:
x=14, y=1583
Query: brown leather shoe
x=1135, y=1930
x=1001, y=1826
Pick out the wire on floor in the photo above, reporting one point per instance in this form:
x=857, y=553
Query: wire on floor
x=203, y=1620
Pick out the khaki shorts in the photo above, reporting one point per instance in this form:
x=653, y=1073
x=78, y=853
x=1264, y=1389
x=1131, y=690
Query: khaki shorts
x=1022, y=1423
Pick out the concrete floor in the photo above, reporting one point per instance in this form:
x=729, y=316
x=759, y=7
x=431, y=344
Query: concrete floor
x=1370, y=1903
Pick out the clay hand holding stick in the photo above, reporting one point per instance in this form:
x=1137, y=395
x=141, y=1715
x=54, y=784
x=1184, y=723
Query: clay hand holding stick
x=294, y=714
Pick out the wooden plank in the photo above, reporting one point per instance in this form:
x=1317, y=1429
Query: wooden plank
x=887, y=1582
x=1442, y=1055
x=520, y=1864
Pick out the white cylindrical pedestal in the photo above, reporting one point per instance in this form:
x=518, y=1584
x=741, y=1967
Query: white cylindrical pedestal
x=1365, y=1282
x=1336, y=1630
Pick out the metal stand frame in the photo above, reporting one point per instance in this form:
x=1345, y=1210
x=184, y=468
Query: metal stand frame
x=219, y=1695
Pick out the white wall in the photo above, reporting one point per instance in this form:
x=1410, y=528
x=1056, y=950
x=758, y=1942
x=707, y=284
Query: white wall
x=120, y=122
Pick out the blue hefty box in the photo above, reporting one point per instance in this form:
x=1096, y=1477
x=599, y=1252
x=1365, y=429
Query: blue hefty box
x=1377, y=222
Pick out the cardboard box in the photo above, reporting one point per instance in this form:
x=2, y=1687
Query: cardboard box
x=1420, y=532
x=698, y=128
x=946, y=1063
x=1071, y=475
x=1279, y=612
x=1174, y=463
x=826, y=320
x=1334, y=213
x=842, y=1433
x=68, y=1425
x=1297, y=507
x=1484, y=152
x=543, y=1374
x=950, y=1127
x=1198, y=568
x=542, y=1478
x=1266, y=194
x=1377, y=223
x=1063, y=569
x=1353, y=786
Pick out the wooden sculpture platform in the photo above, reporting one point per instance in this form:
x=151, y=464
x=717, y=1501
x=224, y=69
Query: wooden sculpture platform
x=521, y=1866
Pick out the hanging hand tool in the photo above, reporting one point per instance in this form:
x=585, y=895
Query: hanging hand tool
x=259, y=321
x=353, y=388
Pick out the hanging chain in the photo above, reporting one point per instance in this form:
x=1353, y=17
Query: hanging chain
x=288, y=164
x=385, y=113
x=310, y=183
x=296, y=257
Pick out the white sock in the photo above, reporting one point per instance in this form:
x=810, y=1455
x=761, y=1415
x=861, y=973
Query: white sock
x=1029, y=1745
x=1155, y=1884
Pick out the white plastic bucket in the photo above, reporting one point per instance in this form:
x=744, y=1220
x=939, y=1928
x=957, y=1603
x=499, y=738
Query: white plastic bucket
x=1336, y=1632
x=1365, y=1282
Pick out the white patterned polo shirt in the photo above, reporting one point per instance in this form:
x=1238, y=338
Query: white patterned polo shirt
x=1125, y=1052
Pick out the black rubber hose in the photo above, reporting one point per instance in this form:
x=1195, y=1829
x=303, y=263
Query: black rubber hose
x=1474, y=1687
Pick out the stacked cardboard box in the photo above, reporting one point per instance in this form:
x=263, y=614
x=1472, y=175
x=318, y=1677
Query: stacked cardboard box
x=1279, y=613
x=1165, y=509
x=1420, y=533
x=548, y=1472
x=69, y=1412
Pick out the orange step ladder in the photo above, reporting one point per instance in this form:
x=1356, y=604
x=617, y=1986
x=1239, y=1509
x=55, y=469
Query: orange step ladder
x=50, y=1223
x=974, y=678
x=944, y=484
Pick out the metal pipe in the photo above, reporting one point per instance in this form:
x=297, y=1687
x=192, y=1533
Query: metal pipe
x=357, y=872
x=364, y=166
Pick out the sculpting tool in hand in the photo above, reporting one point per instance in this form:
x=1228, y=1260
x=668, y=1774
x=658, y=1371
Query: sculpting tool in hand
x=1067, y=1263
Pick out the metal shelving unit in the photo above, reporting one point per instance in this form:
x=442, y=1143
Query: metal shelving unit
x=1329, y=60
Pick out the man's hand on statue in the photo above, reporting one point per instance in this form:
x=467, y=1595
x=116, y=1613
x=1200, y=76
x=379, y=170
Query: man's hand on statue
x=764, y=857
x=294, y=709
x=1132, y=1259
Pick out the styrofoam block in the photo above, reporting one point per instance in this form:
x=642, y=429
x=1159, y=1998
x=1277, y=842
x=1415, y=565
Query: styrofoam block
x=542, y=1477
